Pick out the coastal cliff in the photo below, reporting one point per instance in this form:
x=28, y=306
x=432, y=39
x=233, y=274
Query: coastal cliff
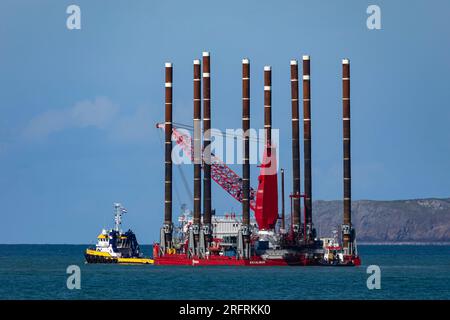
x=418, y=220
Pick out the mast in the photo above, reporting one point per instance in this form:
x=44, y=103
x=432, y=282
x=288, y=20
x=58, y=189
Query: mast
x=118, y=212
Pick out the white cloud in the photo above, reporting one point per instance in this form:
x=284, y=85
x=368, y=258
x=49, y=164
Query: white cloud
x=135, y=127
x=118, y=124
x=98, y=113
x=45, y=124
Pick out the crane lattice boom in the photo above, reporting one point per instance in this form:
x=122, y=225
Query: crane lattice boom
x=223, y=175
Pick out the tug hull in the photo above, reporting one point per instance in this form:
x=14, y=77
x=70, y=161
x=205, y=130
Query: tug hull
x=93, y=256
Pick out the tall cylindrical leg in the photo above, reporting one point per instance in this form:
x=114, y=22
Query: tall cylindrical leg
x=346, y=144
x=307, y=144
x=295, y=147
x=268, y=107
x=207, y=206
x=197, y=153
x=245, y=232
x=283, y=223
x=246, y=153
x=168, y=156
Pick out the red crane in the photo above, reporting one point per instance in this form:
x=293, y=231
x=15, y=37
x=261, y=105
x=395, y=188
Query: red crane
x=223, y=175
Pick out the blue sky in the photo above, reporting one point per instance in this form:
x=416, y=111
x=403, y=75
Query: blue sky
x=78, y=107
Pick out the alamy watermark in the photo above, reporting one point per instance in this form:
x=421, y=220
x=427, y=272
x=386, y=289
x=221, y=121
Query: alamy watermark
x=74, y=278
x=73, y=21
x=373, y=22
x=374, y=280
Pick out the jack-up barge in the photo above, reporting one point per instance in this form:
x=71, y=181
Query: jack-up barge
x=206, y=239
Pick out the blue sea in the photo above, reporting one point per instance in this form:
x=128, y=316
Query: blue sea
x=407, y=272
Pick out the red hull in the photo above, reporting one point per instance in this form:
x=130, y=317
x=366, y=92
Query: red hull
x=183, y=260
x=357, y=261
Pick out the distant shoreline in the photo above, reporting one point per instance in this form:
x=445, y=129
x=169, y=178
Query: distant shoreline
x=404, y=243
x=380, y=243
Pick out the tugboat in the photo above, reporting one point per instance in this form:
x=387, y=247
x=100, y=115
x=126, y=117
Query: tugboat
x=334, y=254
x=114, y=246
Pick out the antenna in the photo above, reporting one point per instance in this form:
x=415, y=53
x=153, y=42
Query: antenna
x=118, y=212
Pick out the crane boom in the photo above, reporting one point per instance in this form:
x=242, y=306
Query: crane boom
x=223, y=175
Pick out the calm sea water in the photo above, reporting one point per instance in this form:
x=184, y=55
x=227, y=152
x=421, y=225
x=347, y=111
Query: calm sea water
x=407, y=272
